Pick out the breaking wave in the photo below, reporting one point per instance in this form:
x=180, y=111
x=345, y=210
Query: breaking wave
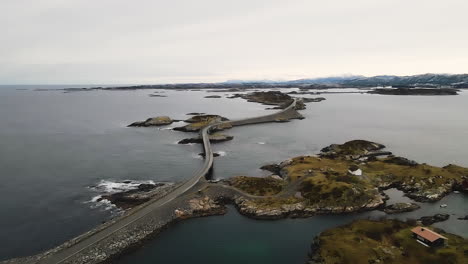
x=107, y=186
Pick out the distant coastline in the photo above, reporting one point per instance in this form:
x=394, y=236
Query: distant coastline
x=459, y=81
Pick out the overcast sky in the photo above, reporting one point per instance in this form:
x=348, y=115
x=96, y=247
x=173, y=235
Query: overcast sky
x=156, y=41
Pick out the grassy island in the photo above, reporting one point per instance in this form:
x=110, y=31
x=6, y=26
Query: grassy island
x=388, y=241
x=343, y=178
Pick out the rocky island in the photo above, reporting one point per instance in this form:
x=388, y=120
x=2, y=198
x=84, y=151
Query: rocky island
x=153, y=121
x=388, y=241
x=401, y=208
x=143, y=193
x=276, y=98
x=342, y=179
x=414, y=91
x=214, y=138
x=197, y=122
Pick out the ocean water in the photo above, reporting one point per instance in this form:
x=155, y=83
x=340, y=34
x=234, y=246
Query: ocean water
x=55, y=146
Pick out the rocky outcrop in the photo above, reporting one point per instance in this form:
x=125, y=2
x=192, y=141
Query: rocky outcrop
x=214, y=154
x=314, y=255
x=400, y=208
x=214, y=138
x=213, y=96
x=268, y=98
x=429, y=220
x=153, y=121
x=196, y=140
x=157, y=95
x=205, y=118
x=221, y=127
x=354, y=149
x=427, y=191
x=277, y=98
x=463, y=218
x=274, y=168
x=217, y=137
x=401, y=161
x=463, y=185
x=132, y=198
x=200, y=121
x=313, y=100
x=201, y=206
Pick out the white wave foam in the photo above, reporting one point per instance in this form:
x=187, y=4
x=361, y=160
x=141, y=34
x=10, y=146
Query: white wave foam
x=221, y=153
x=107, y=186
x=188, y=144
x=197, y=156
x=261, y=143
x=103, y=204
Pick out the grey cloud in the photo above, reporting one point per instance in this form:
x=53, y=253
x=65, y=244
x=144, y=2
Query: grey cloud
x=117, y=41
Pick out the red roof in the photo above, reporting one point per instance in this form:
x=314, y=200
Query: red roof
x=427, y=233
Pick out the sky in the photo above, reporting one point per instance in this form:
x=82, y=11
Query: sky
x=156, y=41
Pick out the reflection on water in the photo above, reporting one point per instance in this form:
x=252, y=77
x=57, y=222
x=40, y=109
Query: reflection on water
x=53, y=145
x=233, y=238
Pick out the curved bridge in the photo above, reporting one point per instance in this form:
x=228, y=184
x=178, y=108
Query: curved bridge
x=84, y=243
x=287, y=113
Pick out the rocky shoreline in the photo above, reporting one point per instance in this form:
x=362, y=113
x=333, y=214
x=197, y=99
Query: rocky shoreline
x=250, y=209
x=358, y=178
x=384, y=241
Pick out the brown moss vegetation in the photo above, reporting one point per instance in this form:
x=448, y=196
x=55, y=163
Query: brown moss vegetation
x=257, y=186
x=351, y=184
x=388, y=241
x=329, y=180
x=200, y=121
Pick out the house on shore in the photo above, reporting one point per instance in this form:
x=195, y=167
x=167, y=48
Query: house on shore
x=428, y=237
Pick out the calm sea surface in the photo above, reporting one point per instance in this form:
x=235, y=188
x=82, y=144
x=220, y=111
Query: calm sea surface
x=54, y=146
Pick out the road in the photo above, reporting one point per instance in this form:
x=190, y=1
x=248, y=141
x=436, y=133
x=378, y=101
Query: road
x=151, y=206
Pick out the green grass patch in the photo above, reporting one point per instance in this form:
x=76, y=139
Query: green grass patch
x=388, y=241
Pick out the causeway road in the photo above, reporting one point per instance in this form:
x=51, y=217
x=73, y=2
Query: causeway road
x=86, y=242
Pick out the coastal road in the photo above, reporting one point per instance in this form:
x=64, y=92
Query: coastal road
x=67, y=254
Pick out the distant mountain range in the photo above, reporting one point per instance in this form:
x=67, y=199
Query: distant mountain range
x=415, y=81
x=423, y=80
